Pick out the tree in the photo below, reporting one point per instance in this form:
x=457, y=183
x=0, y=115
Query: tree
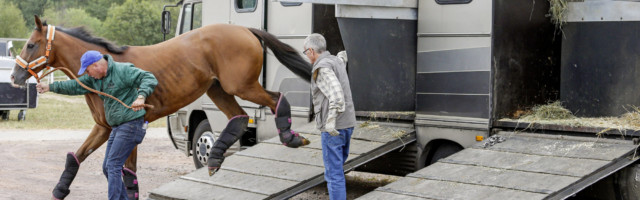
x=29, y=8
x=98, y=8
x=135, y=22
x=72, y=17
x=11, y=21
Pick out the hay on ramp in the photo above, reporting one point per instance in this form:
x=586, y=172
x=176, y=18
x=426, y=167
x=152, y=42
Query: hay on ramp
x=552, y=111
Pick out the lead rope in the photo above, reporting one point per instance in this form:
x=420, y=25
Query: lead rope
x=88, y=88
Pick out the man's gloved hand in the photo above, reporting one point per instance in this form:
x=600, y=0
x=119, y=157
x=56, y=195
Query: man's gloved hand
x=42, y=88
x=331, y=128
x=343, y=56
x=138, y=104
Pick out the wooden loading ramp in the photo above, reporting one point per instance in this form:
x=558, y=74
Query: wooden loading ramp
x=523, y=166
x=269, y=170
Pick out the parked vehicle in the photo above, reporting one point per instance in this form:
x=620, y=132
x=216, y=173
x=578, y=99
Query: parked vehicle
x=18, y=99
x=459, y=70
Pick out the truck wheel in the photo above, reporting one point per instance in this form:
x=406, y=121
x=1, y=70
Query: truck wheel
x=443, y=151
x=629, y=182
x=202, y=142
x=5, y=114
x=22, y=115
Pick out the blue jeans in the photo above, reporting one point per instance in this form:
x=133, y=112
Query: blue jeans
x=122, y=140
x=335, y=150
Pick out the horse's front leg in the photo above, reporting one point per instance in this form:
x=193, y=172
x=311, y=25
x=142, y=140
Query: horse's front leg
x=129, y=175
x=99, y=134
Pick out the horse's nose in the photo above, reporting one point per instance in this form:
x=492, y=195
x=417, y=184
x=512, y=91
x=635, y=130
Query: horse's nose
x=13, y=84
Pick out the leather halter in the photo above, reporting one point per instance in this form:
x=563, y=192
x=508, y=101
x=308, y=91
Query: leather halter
x=42, y=60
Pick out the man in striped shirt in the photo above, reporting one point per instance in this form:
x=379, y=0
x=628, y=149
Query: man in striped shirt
x=333, y=109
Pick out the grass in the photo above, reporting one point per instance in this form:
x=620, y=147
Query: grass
x=56, y=111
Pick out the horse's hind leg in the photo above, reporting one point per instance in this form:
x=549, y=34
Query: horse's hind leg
x=237, y=125
x=282, y=110
x=129, y=175
x=97, y=137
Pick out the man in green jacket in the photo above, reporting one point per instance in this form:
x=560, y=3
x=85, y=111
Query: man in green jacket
x=125, y=82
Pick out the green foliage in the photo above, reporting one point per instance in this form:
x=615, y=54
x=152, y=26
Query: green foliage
x=100, y=8
x=136, y=22
x=11, y=21
x=72, y=17
x=29, y=8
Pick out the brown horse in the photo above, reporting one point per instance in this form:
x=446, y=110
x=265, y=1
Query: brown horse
x=221, y=60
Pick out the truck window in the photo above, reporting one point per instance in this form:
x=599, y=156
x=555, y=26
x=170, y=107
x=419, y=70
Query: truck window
x=197, y=16
x=453, y=1
x=289, y=4
x=187, y=15
x=191, y=17
x=245, y=5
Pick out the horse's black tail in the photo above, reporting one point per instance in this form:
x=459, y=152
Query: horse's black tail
x=286, y=54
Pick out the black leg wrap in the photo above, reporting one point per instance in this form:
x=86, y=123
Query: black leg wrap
x=70, y=170
x=283, y=123
x=234, y=130
x=131, y=183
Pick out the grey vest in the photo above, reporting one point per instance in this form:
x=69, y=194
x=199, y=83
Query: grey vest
x=346, y=119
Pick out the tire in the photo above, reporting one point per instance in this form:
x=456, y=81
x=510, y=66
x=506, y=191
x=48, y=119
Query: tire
x=443, y=151
x=628, y=183
x=201, y=143
x=22, y=115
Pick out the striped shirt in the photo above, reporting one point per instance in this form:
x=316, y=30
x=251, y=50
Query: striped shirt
x=330, y=86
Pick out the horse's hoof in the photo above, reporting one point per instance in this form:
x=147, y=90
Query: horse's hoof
x=213, y=170
x=214, y=165
x=305, y=141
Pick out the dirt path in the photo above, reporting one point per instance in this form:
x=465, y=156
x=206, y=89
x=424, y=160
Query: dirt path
x=31, y=165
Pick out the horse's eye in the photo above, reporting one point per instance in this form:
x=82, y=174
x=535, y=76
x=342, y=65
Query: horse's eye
x=30, y=46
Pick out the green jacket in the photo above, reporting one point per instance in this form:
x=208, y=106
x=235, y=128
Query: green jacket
x=123, y=81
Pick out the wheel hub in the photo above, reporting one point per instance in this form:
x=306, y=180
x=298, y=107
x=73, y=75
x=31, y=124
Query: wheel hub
x=204, y=145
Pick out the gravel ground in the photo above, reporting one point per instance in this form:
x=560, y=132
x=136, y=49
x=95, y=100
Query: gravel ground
x=33, y=160
x=32, y=164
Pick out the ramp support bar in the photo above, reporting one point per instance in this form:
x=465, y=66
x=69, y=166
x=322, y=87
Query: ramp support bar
x=594, y=177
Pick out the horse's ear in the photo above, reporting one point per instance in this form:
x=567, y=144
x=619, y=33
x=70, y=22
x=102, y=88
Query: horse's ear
x=38, y=23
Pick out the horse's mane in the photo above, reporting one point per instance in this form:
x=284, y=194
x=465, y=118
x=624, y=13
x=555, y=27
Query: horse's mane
x=84, y=35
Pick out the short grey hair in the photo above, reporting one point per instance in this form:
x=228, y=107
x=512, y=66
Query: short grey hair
x=316, y=42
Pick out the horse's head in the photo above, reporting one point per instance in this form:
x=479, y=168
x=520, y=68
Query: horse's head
x=33, y=58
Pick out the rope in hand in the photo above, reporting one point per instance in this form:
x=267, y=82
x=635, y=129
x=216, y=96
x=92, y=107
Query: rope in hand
x=90, y=89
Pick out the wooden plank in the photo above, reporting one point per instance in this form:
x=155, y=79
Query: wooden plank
x=518, y=180
x=380, y=195
x=356, y=146
x=183, y=189
x=241, y=181
x=560, y=148
x=270, y=168
x=432, y=189
x=280, y=152
x=525, y=162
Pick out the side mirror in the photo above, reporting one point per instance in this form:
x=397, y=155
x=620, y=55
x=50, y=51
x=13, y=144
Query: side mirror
x=166, y=22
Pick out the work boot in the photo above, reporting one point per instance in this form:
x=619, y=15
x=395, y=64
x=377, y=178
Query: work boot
x=283, y=123
x=234, y=130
